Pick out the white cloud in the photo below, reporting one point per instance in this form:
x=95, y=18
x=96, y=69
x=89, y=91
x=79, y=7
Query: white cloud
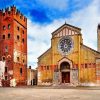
x=39, y=40
x=87, y=19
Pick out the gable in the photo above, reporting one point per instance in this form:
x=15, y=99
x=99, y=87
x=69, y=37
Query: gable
x=66, y=29
x=90, y=49
x=45, y=53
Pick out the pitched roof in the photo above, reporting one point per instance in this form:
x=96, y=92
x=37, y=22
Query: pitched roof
x=90, y=48
x=44, y=53
x=68, y=26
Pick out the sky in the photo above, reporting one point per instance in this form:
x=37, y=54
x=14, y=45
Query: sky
x=45, y=16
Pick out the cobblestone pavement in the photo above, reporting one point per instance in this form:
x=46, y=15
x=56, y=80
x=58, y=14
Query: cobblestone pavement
x=38, y=93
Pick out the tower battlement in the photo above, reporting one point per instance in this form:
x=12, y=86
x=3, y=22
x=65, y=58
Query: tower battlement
x=13, y=11
x=13, y=45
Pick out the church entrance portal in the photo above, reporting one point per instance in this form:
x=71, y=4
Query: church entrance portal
x=65, y=77
x=65, y=72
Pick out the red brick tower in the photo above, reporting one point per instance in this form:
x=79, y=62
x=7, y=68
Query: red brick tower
x=13, y=44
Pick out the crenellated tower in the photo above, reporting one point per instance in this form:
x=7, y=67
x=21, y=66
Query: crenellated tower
x=13, y=44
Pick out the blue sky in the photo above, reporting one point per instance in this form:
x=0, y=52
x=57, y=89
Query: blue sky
x=45, y=11
x=44, y=16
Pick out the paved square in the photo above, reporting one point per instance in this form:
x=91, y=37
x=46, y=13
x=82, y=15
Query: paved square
x=25, y=93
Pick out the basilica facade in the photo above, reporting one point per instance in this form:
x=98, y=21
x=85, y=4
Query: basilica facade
x=68, y=60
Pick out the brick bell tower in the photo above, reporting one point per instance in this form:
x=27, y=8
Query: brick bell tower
x=98, y=37
x=13, y=45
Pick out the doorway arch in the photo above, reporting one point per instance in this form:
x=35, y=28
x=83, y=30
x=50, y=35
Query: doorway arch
x=65, y=66
x=65, y=72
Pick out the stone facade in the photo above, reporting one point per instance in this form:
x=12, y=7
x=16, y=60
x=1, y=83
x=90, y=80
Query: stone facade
x=2, y=71
x=76, y=65
x=13, y=44
x=31, y=76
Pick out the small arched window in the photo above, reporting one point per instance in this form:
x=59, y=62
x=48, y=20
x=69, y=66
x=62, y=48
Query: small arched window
x=17, y=58
x=47, y=67
x=23, y=31
x=6, y=48
x=21, y=71
x=4, y=27
x=23, y=40
x=6, y=69
x=9, y=26
x=18, y=28
x=18, y=37
x=8, y=35
x=3, y=58
x=3, y=37
x=23, y=60
x=6, y=77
